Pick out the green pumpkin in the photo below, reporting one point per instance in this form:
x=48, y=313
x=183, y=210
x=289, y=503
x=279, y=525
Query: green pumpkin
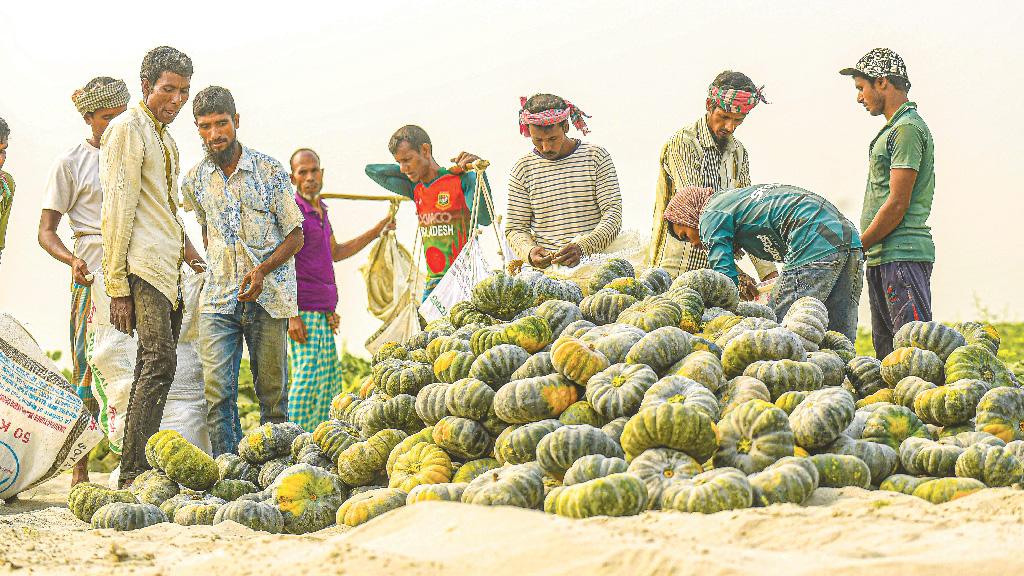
x=788, y=401
x=463, y=314
x=618, y=494
x=452, y=365
x=533, y=399
x=808, y=319
x=1000, y=412
x=546, y=289
x=657, y=279
x=183, y=462
x=968, y=438
x=423, y=436
x=980, y=334
x=903, y=362
x=559, y=449
x=822, y=417
x=790, y=480
x=270, y=470
x=680, y=389
x=431, y=403
x=865, y=374
x=838, y=342
x=604, y=306
x=461, y=437
x=419, y=340
x=388, y=351
x=395, y=377
x=923, y=457
x=880, y=459
x=903, y=483
x=715, y=288
x=307, y=497
x=781, y=376
x=440, y=326
x=531, y=333
x=608, y=271
x=196, y=513
x=470, y=470
x=943, y=490
x=496, y=365
x=739, y=390
x=891, y=425
x=660, y=349
x=125, y=516
x=833, y=367
x=559, y=314
x=670, y=425
x=907, y=389
x=745, y=325
x=977, y=363
x=756, y=310
x=361, y=462
x=630, y=286
x=469, y=398
x=445, y=492
x=538, y=364
x=709, y=492
x=519, y=485
x=950, y=404
x=578, y=328
x=300, y=442
x=362, y=508
x=258, y=516
x=420, y=356
x=619, y=389
x=841, y=470
x=174, y=503
x=443, y=344
x=883, y=396
x=577, y=360
x=502, y=295
x=616, y=344
x=333, y=436
x=614, y=428
x=755, y=345
x=994, y=465
x=940, y=339
x=691, y=307
x=423, y=463
x=652, y=313
x=229, y=490
x=153, y=487
x=582, y=412
x=704, y=345
x=702, y=367
x=518, y=444
x=341, y=404
x=753, y=436
x=398, y=413
x=593, y=466
x=233, y=467
x=660, y=467
x=86, y=498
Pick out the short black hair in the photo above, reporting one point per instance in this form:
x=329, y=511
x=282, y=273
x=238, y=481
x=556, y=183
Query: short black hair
x=901, y=83
x=5, y=130
x=733, y=80
x=300, y=151
x=213, y=100
x=414, y=135
x=165, y=59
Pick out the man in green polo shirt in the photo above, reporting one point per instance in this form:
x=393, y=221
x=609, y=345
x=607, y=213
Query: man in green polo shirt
x=898, y=199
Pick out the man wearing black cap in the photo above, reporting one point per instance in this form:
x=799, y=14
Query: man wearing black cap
x=898, y=199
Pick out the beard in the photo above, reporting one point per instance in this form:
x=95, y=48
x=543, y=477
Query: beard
x=223, y=157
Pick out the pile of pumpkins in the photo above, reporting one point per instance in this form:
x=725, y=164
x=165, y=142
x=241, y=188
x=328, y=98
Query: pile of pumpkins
x=631, y=393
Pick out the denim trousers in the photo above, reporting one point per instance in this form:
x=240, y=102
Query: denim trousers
x=157, y=324
x=837, y=280
x=220, y=349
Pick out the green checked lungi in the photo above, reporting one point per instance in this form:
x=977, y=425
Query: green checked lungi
x=315, y=371
x=81, y=374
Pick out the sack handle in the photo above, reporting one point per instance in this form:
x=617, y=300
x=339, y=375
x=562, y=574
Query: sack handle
x=483, y=190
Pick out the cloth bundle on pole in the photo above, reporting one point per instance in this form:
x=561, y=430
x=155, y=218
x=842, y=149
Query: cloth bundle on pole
x=386, y=273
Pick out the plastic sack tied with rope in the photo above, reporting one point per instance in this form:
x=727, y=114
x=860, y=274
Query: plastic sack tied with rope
x=391, y=279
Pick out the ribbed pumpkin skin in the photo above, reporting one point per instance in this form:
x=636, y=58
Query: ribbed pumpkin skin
x=123, y=516
x=808, y=319
x=257, y=516
x=746, y=325
x=840, y=470
x=423, y=436
x=657, y=279
x=614, y=428
x=453, y=365
x=233, y=467
x=360, y=463
x=577, y=360
x=833, y=367
x=461, y=437
x=968, y=438
x=613, y=495
x=443, y=344
x=502, y=295
x=593, y=466
x=388, y=351
x=933, y=336
x=922, y=457
x=174, y=503
x=463, y=314
x=270, y=471
x=546, y=289
x=840, y=344
x=531, y=333
x=630, y=286
x=994, y=465
x=903, y=483
x=398, y=413
x=790, y=480
x=659, y=467
x=518, y=444
x=423, y=463
x=883, y=396
x=469, y=398
x=395, y=377
x=891, y=425
x=470, y=470
x=781, y=376
x=616, y=344
x=430, y=403
x=604, y=306
x=88, y=497
x=578, y=328
x=183, y=462
x=660, y=349
x=980, y=334
x=907, y=389
x=881, y=459
x=496, y=365
x=709, y=492
x=977, y=363
x=538, y=365
x=559, y=314
x=822, y=417
x=419, y=356
x=652, y=313
x=153, y=487
x=488, y=337
x=715, y=288
x=230, y=490
x=513, y=485
x=753, y=436
x=749, y=347
x=865, y=374
x=1001, y=413
x=342, y=405
x=788, y=401
x=756, y=310
x=534, y=399
x=582, y=412
x=307, y=498
x=943, y=490
x=446, y=492
x=950, y=404
x=680, y=389
x=608, y=271
x=903, y=362
x=300, y=442
x=366, y=506
x=739, y=390
x=198, y=513
x=670, y=426
x=691, y=306
x=557, y=451
x=618, y=390
x=702, y=367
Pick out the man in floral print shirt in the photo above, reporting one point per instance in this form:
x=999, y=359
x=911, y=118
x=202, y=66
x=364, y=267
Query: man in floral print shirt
x=252, y=229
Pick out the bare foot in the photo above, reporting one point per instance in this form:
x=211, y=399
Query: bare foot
x=80, y=473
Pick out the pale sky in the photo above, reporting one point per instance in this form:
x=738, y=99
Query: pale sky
x=341, y=77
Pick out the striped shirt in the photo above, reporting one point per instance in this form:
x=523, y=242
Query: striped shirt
x=692, y=157
x=573, y=199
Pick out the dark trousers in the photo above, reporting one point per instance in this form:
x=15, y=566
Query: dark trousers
x=157, y=325
x=899, y=292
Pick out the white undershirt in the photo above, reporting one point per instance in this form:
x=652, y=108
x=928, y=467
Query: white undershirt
x=74, y=189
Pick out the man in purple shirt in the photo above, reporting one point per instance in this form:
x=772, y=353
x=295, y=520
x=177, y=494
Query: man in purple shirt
x=313, y=356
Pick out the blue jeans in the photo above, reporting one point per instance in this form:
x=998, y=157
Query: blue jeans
x=837, y=280
x=220, y=348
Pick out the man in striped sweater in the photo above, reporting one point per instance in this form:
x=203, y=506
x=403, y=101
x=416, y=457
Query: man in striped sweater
x=563, y=200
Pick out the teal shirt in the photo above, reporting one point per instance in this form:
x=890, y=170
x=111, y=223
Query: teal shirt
x=774, y=222
x=904, y=142
x=390, y=177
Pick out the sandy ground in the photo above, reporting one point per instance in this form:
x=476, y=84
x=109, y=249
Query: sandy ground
x=839, y=531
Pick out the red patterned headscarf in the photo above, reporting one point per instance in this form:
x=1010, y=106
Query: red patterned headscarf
x=733, y=100
x=550, y=117
x=687, y=204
